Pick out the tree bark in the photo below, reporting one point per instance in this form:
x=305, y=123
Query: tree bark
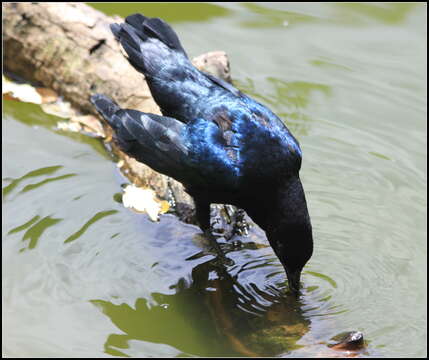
x=69, y=48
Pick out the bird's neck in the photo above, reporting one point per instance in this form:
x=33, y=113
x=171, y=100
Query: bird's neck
x=283, y=206
x=291, y=204
x=288, y=225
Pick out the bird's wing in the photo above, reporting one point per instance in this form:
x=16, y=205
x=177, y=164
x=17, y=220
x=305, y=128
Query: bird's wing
x=154, y=140
x=192, y=153
x=227, y=102
x=248, y=127
x=248, y=136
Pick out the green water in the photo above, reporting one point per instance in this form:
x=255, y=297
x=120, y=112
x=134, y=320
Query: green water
x=85, y=277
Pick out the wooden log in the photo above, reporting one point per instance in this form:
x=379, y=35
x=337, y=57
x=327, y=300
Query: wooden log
x=69, y=47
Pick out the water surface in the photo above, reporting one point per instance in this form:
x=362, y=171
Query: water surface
x=82, y=276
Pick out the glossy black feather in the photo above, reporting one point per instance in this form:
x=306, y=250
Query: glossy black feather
x=152, y=139
x=221, y=144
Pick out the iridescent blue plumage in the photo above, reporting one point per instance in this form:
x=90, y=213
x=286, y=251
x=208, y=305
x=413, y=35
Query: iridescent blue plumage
x=221, y=144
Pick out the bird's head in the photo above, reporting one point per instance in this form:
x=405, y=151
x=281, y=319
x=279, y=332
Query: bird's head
x=293, y=245
x=290, y=232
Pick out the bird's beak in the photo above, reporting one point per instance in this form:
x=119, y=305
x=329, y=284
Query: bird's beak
x=293, y=278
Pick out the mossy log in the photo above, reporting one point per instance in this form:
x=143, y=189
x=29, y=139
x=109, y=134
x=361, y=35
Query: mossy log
x=69, y=48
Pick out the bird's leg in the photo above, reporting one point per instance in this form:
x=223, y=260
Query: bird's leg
x=203, y=217
x=236, y=217
x=229, y=212
x=202, y=212
x=241, y=226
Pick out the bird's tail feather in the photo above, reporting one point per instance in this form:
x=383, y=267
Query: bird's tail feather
x=135, y=35
x=151, y=139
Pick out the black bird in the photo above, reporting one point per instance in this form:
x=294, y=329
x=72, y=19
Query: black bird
x=223, y=146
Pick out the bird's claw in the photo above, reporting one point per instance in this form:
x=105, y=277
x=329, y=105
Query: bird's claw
x=241, y=226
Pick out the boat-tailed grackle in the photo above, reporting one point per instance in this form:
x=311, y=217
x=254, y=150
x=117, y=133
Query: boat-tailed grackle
x=221, y=144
